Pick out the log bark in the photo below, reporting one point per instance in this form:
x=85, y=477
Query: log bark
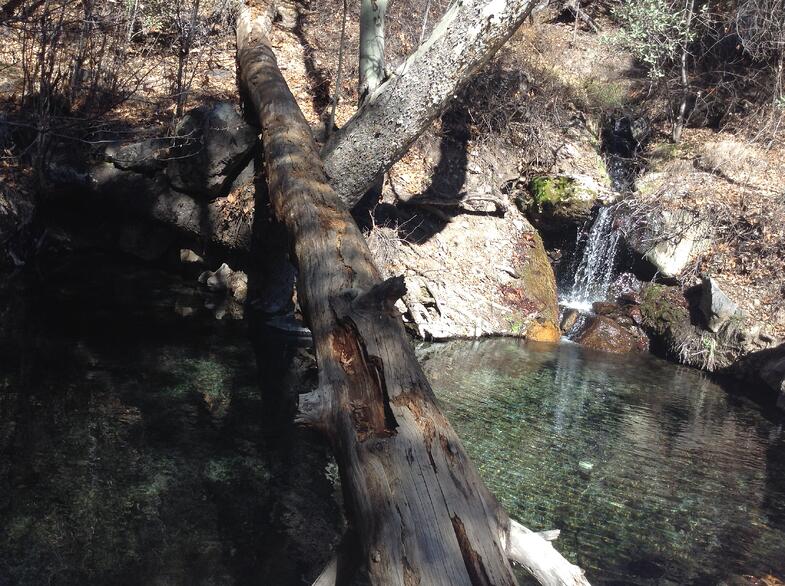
x=417, y=508
x=398, y=111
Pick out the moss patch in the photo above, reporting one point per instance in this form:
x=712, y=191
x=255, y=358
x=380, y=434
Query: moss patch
x=550, y=191
x=605, y=95
x=660, y=311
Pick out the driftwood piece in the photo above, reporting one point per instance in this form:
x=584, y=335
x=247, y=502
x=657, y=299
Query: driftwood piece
x=416, y=505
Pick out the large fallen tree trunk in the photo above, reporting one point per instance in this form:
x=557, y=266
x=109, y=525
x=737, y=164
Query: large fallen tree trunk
x=398, y=111
x=418, y=511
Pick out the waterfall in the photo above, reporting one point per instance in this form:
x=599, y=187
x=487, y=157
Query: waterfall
x=594, y=274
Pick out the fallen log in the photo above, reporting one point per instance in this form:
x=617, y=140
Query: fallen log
x=418, y=511
x=399, y=110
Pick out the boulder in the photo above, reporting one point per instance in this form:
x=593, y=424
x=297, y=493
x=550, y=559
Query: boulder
x=556, y=205
x=773, y=374
x=666, y=314
x=569, y=319
x=543, y=331
x=717, y=308
x=213, y=145
x=671, y=240
x=604, y=308
x=148, y=156
x=607, y=335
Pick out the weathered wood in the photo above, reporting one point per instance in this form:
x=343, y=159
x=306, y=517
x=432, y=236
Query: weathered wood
x=398, y=111
x=537, y=555
x=415, y=502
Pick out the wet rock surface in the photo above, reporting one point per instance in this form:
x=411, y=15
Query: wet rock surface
x=612, y=332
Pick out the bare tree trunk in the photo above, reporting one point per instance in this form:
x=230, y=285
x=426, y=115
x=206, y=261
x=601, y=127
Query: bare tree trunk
x=418, y=510
x=678, y=125
x=371, y=46
x=398, y=111
x=339, y=73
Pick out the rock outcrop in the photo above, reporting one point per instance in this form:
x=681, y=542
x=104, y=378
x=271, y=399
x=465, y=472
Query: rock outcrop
x=198, y=185
x=211, y=147
x=671, y=240
x=558, y=205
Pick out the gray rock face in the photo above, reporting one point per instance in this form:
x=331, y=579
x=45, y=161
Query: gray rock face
x=147, y=156
x=716, y=307
x=669, y=239
x=213, y=145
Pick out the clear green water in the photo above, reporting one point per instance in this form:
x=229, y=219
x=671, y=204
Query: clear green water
x=136, y=447
x=654, y=474
x=133, y=442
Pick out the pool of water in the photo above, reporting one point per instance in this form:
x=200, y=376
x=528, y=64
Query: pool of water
x=654, y=473
x=139, y=445
x=135, y=445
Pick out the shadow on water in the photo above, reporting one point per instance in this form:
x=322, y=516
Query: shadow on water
x=134, y=443
x=654, y=473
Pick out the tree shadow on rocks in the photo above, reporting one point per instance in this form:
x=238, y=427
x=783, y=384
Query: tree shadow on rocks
x=440, y=201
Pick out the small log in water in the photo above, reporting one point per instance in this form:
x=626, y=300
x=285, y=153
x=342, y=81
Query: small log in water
x=418, y=511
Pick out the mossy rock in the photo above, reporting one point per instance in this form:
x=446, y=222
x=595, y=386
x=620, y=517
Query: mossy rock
x=551, y=191
x=661, y=309
x=534, y=294
x=556, y=203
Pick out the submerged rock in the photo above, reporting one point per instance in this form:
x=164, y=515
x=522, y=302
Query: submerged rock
x=190, y=257
x=224, y=279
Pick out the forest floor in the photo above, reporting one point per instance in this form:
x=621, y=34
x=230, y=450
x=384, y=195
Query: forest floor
x=446, y=217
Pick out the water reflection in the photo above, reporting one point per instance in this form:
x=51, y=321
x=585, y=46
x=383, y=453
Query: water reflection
x=134, y=447
x=654, y=473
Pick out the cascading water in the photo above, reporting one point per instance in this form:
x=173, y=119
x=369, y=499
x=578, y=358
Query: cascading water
x=594, y=274
x=594, y=264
